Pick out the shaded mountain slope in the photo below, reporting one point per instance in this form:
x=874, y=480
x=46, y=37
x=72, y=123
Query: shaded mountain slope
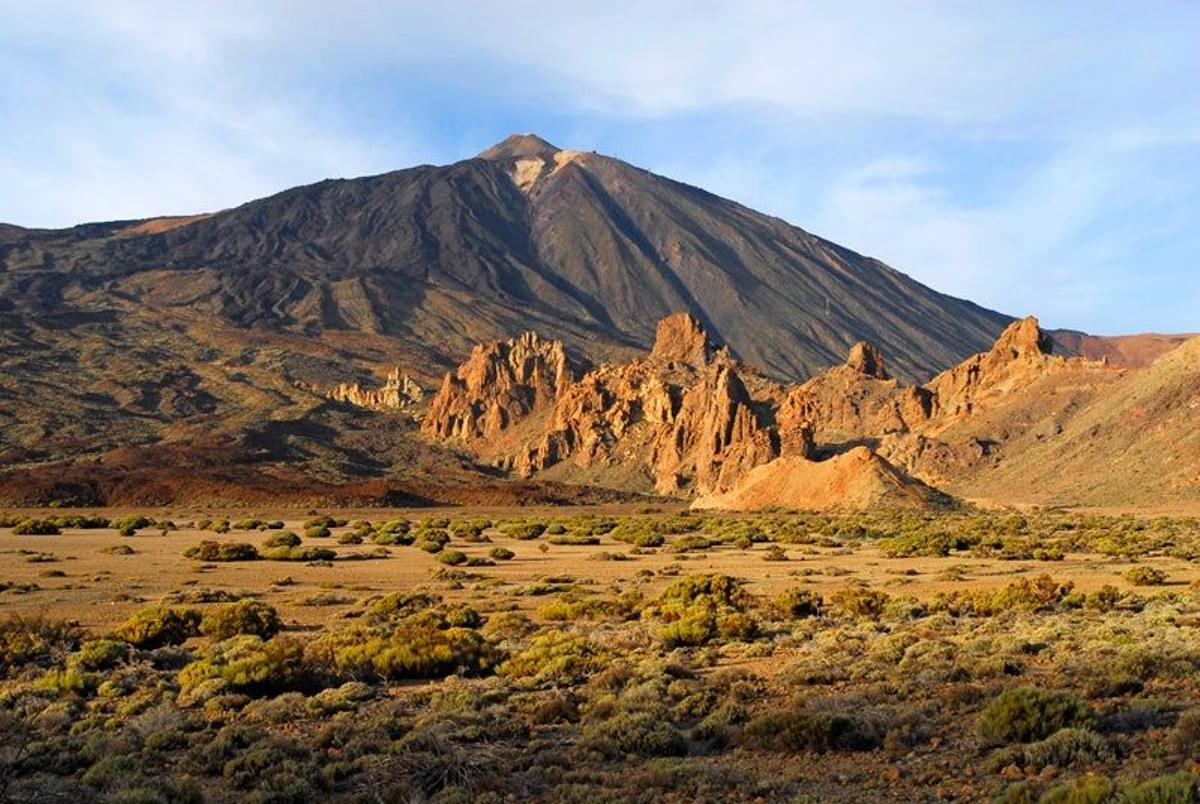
x=579, y=246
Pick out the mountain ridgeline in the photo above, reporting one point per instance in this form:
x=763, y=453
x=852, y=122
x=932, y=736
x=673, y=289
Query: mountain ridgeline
x=575, y=245
x=239, y=355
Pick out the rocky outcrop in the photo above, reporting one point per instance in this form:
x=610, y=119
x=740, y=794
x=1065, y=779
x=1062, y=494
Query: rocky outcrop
x=854, y=401
x=499, y=384
x=1021, y=355
x=689, y=420
x=399, y=392
x=680, y=338
x=867, y=360
x=682, y=418
x=715, y=437
x=855, y=480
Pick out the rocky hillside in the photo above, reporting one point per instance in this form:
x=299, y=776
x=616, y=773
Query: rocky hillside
x=1015, y=423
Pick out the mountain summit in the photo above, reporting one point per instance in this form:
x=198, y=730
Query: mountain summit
x=519, y=146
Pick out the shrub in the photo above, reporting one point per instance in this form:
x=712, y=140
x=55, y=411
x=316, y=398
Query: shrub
x=1145, y=576
x=860, y=602
x=248, y=663
x=1026, y=714
x=35, y=527
x=452, y=557
x=1179, y=788
x=775, y=553
x=399, y=605
x=99, y=654
x=556, y=658
x=687, y=544
x=299, y=554
x=390, y=537
x=1185, y=737
x=282, y=539
x=574, y=538
x=799, y=603
x=525, y=531
x=642, y=734
x=131, y=524
x=244, y=617
x=27, y=639
x=800, y=730
x=501, y=553
x=698, y=608
x=1062, y=749
x=222, y=551
x=412, y=650
x=1088, y=790
x=156, y=626
x=317, y=532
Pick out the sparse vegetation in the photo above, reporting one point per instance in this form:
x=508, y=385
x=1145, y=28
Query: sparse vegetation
x=621, y=681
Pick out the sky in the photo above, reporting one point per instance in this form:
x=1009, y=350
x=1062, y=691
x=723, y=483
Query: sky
x=1035, y=157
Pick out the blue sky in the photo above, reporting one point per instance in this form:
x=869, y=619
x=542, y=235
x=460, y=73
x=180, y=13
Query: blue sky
x=1036, y=157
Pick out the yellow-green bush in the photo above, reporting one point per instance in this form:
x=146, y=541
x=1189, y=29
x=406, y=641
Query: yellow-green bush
x=156, y=626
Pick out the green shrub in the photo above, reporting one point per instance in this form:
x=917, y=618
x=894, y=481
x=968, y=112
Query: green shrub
x=411, y=650
x=1145, y=576
x=501, y=553
x=317, y=532
x=299, y=554
x=1026, y=714
x=687, y=544
x=35, y=527
x=282, y=539
x=399, y=605
x=244, y=617
x=392, y=537
x=248, y=663
x=128, y=525
x=156, y=626
x=775, y=553
x=573, y=538
x=28, y=639
x=99, y=654
x=1064, y=748
x=222, y=551
x=1087, y=790
x=796, y=603
x=699, y=608
x=641, y=734
x=803, y=730
x=855, y=602
x=452, y=557
x=525, y=531
x=555, y=658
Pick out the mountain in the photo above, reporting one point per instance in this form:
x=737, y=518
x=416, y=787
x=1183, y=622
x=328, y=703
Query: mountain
x=132, y=350
x=576, y=245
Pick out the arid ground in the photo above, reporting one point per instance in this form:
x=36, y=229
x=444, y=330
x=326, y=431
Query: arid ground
x=594, y=654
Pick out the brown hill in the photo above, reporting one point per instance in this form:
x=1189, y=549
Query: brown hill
x=1124, y=351
x=855, y=480
x=1128, y=438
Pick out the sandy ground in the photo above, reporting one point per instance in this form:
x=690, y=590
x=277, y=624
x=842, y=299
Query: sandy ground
x=98, y=589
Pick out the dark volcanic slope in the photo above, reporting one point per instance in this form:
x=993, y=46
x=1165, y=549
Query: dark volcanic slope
x=430, y=260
